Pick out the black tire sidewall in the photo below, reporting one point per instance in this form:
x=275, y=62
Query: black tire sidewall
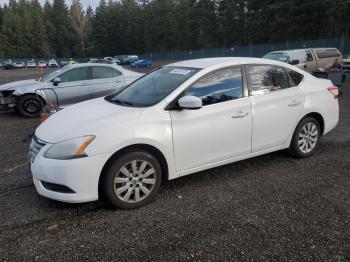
x=294, y=148
x=107, y=185
x=20, y=106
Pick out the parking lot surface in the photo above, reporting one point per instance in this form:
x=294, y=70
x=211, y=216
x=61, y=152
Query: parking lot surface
x=271, y=207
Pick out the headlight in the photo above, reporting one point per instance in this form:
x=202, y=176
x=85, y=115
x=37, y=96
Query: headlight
x=6, y=93
x=69, y=149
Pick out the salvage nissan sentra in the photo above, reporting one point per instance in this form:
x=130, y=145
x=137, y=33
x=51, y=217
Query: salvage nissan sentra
x=180, y=119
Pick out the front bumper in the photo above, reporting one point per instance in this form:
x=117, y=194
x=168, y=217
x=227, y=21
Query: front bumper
x=80, y=175
x=7, y=102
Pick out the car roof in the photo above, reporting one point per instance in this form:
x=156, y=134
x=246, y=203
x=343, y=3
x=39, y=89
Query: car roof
x=96, y=64
x=91, y=64
x=208, y=62
x=301, y=49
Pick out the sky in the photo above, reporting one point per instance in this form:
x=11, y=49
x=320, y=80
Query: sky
x=85, y=3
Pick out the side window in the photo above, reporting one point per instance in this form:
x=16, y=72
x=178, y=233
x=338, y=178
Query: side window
x=219, y=86
x=263, y=78
x=327, y=53
x=76, y=74
x=309, y=56
x=99, y=72
x=295, y=77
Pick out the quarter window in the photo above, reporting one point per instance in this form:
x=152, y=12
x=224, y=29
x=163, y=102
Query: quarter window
x=263, y=78
x=219, y=86
x=295, y=77
x=116, y=72
x=99, y=72
x=76, y=74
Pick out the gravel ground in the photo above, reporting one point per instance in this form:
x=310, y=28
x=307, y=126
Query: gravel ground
x=271, y=207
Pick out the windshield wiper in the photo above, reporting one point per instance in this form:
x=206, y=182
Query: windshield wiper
x=120, y=102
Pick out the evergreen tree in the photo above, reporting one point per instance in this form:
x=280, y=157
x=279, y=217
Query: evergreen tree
x=28, y=29
x=80, y=23
x=61, y=40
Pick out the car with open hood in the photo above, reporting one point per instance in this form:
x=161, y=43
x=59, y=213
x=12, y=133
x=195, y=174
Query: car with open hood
x=70, y=84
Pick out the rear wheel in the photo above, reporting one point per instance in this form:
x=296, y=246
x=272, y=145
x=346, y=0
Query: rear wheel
x=132, y=180
x=29, y=106
x=305, y=138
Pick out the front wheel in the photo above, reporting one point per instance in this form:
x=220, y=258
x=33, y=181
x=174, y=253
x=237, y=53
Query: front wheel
x=29, y=106
x=132, y=180
x=305, y=138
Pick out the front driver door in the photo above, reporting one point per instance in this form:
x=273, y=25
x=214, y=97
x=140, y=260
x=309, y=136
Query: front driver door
x=105, y=80
x=218, y=131
x=74, y=86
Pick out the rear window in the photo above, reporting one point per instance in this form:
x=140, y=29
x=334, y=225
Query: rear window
x=327, y=53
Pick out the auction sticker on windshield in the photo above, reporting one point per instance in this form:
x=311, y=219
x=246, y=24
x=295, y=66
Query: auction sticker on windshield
x=180, y=71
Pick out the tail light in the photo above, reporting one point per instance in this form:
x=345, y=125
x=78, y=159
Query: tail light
x=334, y=91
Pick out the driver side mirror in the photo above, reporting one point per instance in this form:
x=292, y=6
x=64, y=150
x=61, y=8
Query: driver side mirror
x=56, y=81
x=190, y=102
x=295, y=62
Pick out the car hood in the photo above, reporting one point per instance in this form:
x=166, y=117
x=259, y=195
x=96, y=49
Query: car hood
x=85, y=118
x=22, y=85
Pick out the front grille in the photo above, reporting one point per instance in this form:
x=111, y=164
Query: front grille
x=35, y=146
x=57, y=188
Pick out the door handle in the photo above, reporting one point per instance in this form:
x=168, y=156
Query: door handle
x=294, y=103
x=240, y=114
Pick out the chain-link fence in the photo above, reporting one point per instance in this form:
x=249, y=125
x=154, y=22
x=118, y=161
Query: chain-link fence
x=342, y=43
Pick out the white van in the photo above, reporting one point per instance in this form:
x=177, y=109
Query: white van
x=309, y=59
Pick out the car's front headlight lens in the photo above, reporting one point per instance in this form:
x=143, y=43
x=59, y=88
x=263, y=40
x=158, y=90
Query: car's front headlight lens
x=69, y=149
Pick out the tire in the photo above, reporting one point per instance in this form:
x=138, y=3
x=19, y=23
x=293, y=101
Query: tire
x=130, y=190
x=29, y=106
x=305, y=138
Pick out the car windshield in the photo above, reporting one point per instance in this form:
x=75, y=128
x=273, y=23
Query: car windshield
x=277, y=56
x=153, y=87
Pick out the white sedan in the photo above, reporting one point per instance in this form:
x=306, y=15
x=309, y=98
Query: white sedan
x=180, y=119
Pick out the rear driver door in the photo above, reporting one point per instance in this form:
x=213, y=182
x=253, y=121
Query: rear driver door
x=105, y=80
x=277, y=104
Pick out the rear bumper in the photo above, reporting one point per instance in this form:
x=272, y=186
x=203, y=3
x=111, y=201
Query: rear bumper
x=346, y=68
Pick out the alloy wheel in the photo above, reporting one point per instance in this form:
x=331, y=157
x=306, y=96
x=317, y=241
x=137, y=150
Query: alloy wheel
x=31, y=105
x=308, y=137
x=134, y=181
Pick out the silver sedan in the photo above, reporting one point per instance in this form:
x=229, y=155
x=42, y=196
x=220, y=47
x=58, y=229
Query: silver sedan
x=71, y=84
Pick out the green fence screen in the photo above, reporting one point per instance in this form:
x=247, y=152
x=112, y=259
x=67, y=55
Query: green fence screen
x=342, y=43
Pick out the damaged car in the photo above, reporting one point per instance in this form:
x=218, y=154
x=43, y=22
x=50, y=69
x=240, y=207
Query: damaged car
x=71, y=84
